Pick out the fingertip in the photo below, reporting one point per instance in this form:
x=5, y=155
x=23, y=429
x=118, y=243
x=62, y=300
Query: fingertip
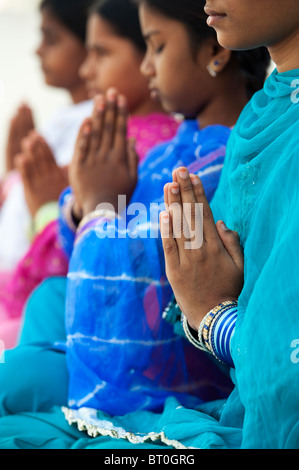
x=164, y=217
x=195, y=179
x=86, y=128
x=111, y=95
x=165, y=224
x=182, y=173
x=86, y=122
x=122, y=102
x=99, y=103
x=222, y=226
x=174, y=188
x=166, y=187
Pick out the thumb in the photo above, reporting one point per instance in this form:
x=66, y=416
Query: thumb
x=231, y=242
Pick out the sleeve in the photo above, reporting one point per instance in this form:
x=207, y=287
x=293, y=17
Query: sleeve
x=44, y=216
x=43, y=259
x=66, y=225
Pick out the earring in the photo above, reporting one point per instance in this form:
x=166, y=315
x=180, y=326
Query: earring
x=211, y=71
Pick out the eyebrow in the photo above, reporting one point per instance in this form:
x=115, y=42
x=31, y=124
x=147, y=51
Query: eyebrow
x=46, y=30
x=148, y=36
x=96, y=47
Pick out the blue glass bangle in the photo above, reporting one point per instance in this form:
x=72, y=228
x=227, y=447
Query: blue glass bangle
x=222, y=331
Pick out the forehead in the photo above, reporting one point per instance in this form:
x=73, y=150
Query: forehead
x=49, y=22
x=153, y=23
x=98, y=29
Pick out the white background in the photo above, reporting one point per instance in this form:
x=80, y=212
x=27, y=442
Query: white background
x=20, y=76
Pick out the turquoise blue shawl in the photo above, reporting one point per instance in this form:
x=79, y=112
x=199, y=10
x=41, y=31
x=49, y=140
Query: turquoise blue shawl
x=258, y=196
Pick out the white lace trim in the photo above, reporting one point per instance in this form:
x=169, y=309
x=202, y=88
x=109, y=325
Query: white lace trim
x=87, y=421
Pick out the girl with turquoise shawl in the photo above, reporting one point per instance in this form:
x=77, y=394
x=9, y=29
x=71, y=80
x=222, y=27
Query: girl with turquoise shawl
x=103, y=317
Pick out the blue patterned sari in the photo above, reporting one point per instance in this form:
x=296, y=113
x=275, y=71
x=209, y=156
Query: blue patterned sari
x=121, y=355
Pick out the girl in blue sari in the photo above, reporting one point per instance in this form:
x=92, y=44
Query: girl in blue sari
x=121, y=356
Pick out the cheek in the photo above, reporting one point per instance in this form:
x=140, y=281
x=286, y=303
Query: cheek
x=179, y=91
x=60, y=70
x=171, y=79
x=76, y=56
x=106, y=74
x=118, y=73
x=55, y=59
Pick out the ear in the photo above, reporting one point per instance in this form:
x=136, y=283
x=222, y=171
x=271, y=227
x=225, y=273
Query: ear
x=217, y=58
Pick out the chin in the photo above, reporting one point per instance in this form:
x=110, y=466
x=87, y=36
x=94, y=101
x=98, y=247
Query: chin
x=171, y=108
x=49, y=81
x=233, y=43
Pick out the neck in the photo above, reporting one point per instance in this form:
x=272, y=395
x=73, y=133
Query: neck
x=285, y=53
x=226, y=106
x=148, y=106
x=78, y=93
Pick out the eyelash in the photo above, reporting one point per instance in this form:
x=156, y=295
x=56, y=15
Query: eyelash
x=159, y=49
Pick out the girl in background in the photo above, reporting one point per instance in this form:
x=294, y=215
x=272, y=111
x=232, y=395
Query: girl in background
x=61, y=53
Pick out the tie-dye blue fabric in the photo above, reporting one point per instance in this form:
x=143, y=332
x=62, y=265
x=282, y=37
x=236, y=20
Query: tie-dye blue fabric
x=121, y=355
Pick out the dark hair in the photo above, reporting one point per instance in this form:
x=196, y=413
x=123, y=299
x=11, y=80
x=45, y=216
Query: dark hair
x=123, y=17
x=71, y=13
x=253, y=63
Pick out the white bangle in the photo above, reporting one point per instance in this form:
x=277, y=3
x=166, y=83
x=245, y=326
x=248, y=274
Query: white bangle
x=198, y=344
x=67, y=212
x=97, y=214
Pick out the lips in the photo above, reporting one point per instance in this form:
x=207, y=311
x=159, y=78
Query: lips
x=213, y=16
x=154, y=92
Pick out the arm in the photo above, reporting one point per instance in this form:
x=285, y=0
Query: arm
x=67, y=223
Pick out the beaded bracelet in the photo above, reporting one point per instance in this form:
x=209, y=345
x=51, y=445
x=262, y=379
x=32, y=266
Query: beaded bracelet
x=204, y=329
x=215, y=331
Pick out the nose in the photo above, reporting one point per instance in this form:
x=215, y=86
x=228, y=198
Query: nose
x=146, y=67
x=86, y=69
x=39, y=50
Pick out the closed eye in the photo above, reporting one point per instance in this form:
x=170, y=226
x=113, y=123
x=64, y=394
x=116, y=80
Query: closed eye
x=159, y=49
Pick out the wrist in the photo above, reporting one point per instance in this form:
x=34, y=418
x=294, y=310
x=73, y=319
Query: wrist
x=76, y=213
x=110, y=204
x=89, y=206
x=195, y=319
x=215, y=331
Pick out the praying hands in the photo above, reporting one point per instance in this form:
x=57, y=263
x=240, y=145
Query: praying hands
x=201, y=277
x=105, y=162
